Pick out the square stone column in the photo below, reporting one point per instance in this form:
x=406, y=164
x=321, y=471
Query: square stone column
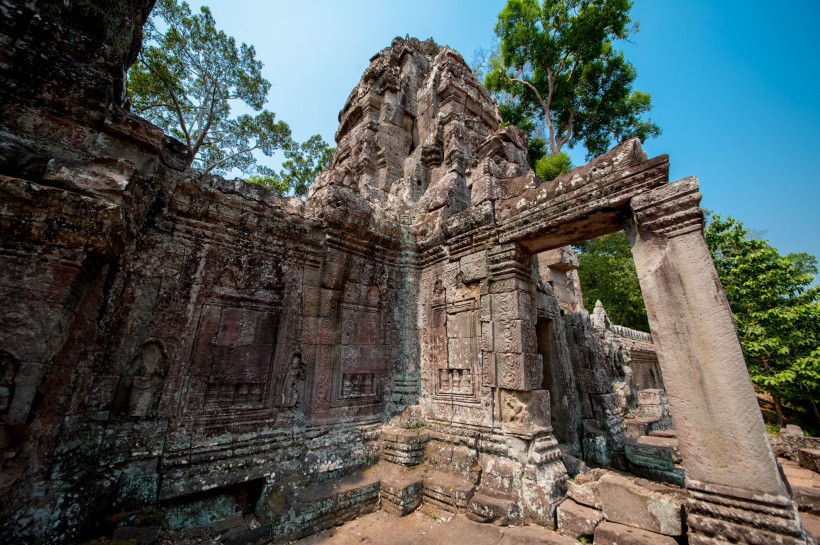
x=736, y=494
x=511, y=331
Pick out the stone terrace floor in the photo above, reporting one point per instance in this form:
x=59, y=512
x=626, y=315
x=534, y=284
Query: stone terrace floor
x=425, y=528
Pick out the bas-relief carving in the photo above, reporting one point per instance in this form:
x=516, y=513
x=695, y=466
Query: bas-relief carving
x=139, y=390
x=232, y=358
x=525, y=413
x=291, y=384
x=359, y=360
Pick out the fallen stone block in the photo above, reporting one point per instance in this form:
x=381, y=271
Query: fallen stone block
x=654, y=452
x=584, y=489
x=807, y=498
x=576, y=520
x=809, y=458
x=492, y=506
x=610, y=533
x=675, y=477
x=641, y=503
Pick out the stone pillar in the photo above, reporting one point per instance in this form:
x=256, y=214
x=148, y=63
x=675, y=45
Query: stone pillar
x=518, y=366
x=736, y=494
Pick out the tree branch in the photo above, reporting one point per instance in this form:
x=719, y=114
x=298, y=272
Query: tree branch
x=177, y=106
x=562, y=141
x=228, y=158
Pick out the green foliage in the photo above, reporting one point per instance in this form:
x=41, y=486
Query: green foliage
x=303, y=162
x=187, y=77
x=550, y=167
x=773, y=430
x=185, y=80
x=556, y=66
x=273, y=182
x=777, y=311
x=607, y=273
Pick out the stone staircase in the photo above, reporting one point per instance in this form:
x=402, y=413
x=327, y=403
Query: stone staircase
x=656, y=456
x=447, y=492
x=402, y=446
x=302, y=511
x=418, y=470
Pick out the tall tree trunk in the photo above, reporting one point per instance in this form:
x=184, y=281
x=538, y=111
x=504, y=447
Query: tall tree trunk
x=816, y=412
x=779, y=410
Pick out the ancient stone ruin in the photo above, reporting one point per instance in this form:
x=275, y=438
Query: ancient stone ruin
x=179, y=351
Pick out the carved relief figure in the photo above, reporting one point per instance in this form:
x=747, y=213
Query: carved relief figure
x=621, y=363
x=292, y=380
x=139, y=389
x=515, y=411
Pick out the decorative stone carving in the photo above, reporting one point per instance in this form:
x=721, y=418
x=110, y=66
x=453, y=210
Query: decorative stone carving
x=291, y=385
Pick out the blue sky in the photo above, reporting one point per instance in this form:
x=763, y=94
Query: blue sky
x=735, y=86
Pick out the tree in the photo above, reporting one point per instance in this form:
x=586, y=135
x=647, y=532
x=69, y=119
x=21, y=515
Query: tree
x=776, y=310
x=562, y=78
x=185, y=81
x=303, y=163
x=607, y=273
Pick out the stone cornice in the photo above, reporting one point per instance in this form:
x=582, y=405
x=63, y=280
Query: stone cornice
x=670, y=211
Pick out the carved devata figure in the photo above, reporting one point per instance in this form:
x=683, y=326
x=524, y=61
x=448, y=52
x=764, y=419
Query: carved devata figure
x=292, y=380
x=621, y=362
x=139, y=389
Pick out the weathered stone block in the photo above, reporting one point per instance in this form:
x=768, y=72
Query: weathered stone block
x=610, y=533
x=809, y=458
x=511, y=300
x=576, y=520
x=655, y=452
x=584, y=489
x=514, y=336
x=474, y=267
x=643, y=504
x=807, y=498
x=491, y=506
x=519, y=371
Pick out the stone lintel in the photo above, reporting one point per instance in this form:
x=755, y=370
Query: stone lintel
x=586, y=203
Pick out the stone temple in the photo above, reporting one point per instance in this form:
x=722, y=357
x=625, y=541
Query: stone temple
x=178, y=351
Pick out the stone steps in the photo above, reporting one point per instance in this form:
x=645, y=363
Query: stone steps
x=400, y=488
x=447, y=491
x=403, y=446
x=323, y=505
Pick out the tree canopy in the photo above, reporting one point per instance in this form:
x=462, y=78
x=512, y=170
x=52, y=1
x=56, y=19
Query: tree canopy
x=561, y=77
x=188, y=76
x=776, y=310
x=607, y=273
